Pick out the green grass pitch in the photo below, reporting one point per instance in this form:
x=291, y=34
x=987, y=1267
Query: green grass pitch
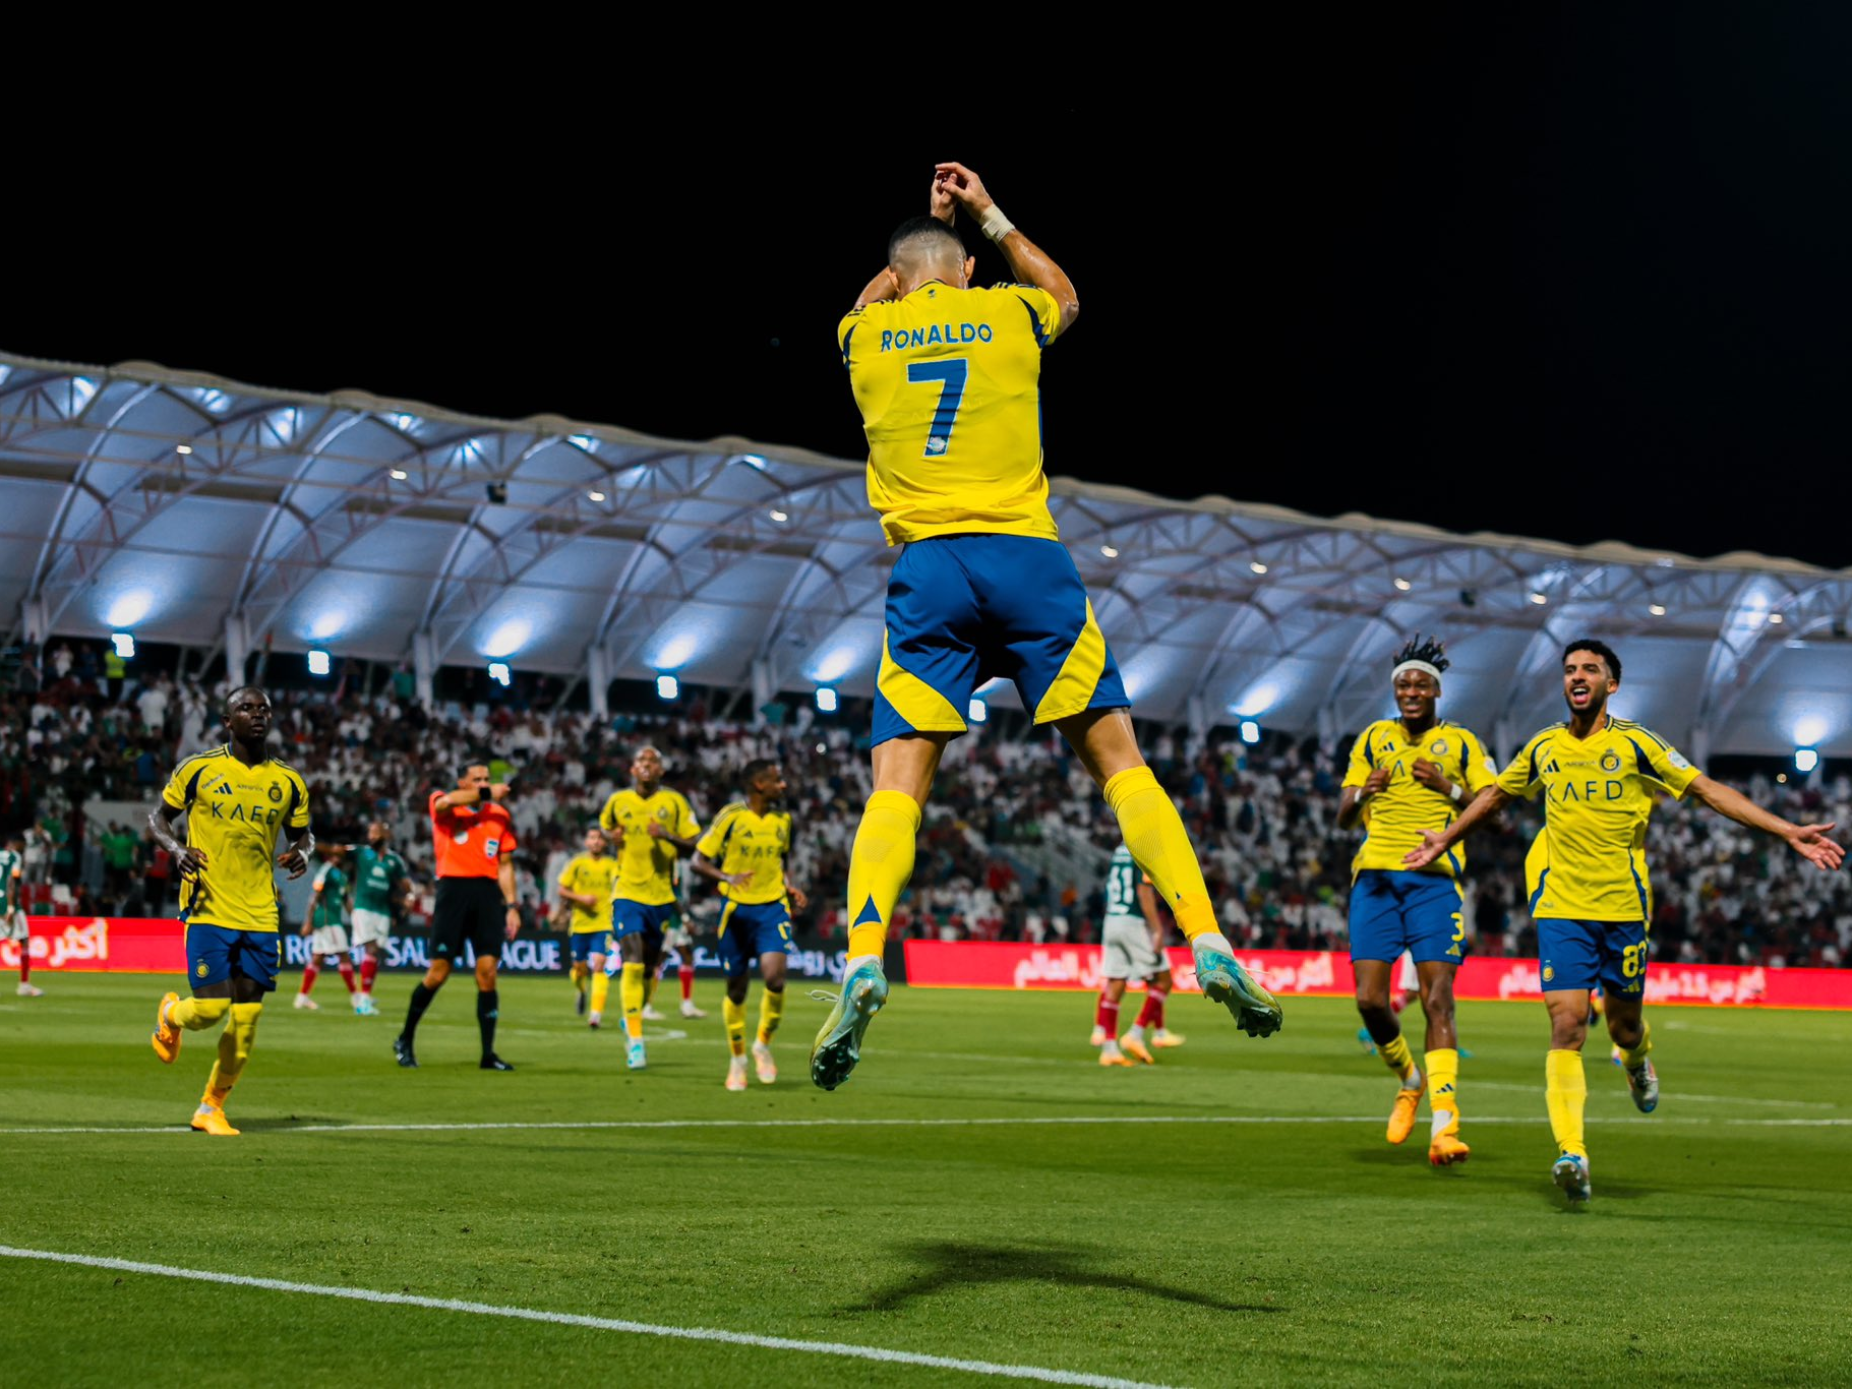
x=1282, y=1241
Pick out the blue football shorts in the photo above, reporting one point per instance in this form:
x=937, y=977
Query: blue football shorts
x=1392, y=911
x=966, y=609
x=215, y=954
x=749, y=930
x=1584, y=954
x=586, y=944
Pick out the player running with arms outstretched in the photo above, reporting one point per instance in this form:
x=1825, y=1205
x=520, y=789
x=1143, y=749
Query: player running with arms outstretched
x=1587, y=877
x=238, y=801
x=1409, y=774
x=946, y=379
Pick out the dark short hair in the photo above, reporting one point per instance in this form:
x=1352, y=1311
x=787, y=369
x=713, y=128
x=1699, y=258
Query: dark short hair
x=924, y=228
x=231, y=696
x=464, y=766
x=1601, y=649
x=755, y=769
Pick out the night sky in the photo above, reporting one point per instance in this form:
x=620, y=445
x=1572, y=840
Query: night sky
x=1578, y=276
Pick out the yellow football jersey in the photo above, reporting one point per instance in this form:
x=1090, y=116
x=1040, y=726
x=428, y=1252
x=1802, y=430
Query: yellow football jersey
x=1395, y=816
x=741, y=842
x=235, y=815
x=1588, y=862
x=597, y=876
x=947, y=381
x=645, y=865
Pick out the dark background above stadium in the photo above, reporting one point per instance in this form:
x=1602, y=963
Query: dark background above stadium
x=1580, y=275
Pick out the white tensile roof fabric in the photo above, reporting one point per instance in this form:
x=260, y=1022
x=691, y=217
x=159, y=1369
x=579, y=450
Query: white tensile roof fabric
x=163, y=501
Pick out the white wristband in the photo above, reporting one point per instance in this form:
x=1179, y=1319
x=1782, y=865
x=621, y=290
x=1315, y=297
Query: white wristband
x=1458, y=793
x=996, y=225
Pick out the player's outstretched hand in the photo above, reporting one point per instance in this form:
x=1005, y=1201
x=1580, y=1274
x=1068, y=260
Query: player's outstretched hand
x=293, y=863
x=966, y=187
x=800, y=899
x=1431, y=849
x=1811, y=843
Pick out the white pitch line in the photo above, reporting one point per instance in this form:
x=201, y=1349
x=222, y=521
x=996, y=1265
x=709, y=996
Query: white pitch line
x=996, y=1122
x=638, y=1328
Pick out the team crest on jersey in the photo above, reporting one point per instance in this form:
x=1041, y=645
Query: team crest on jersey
x=204, y=969
x=1549, y=973
x=1440, y=747
x=1610, y=761
x=276, y=794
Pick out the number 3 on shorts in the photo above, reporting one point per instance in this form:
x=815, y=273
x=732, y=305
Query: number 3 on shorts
x=952, y=371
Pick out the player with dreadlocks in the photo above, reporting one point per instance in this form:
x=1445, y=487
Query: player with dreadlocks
x=1406, y=775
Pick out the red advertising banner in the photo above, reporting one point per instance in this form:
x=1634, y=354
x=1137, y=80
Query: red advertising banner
x=1324, y=973
x=138, y=945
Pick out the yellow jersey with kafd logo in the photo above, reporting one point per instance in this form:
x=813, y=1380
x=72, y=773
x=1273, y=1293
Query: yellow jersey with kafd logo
x=948, y=383
x=595, y=875
x=742, y=842
x=645, y=864
x=235, y=816
x=1395, y=816
x=1588, y=862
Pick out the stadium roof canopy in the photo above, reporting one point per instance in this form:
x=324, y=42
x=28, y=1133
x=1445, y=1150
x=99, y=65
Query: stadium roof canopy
x=195, y=510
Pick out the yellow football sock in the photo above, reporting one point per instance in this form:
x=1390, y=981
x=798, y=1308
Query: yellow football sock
x=196, y=1014
x=650, y=981
x=1443, y=1090
x=1398, y=1057
x=601, y=990
x=580, y=972
x=1154, y=833
x=630, y=991
x=1635, y=1057
x=771, y=1013
x=1566, y=1093
x=879, y=866
x=735, y=1014
x=234, y=1050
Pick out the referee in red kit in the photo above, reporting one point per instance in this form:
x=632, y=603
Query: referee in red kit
x=475, y=902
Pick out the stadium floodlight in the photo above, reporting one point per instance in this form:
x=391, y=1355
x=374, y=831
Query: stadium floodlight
x=979, y=711
x=667, y=686
x=499, y=673
x=780, y=516
x=124, y=642
x=1250, y=731
x=183, y=448
x=1109, y=552
x=1774, y=619
x=1806, y=759
x=399, y=475
x=1539, y=598
x=595, y=495
x=826, y=699
x=318, y=663
x=1257, y=566
x=1656, y=609
x=1404, y=585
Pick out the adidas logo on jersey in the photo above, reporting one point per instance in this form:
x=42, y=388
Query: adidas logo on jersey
x=224, y=788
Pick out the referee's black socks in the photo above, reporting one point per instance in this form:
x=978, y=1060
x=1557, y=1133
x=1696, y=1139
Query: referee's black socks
x=421, y=1000
x=488, y=1005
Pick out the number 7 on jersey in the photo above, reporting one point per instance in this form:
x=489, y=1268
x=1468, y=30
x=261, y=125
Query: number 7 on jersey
x=950, y=371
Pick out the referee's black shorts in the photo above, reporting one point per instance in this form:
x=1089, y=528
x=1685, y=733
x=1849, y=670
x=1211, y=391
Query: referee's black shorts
x=468, y=909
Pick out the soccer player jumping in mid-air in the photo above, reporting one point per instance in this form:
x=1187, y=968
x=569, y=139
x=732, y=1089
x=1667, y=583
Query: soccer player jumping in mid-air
x=945, y=377
x=237, y=800
x=1407, y=775
x=1587, y=877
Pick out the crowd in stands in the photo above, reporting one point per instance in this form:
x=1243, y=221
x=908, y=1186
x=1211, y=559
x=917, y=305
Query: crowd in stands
x=78, y=729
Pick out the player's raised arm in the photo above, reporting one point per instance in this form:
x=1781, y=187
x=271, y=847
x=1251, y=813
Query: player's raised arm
x=1486, y=804
x=1809, y=841
x=1029, y=263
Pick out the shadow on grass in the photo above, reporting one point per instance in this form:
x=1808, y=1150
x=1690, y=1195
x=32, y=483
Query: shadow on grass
x=951, y=1265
